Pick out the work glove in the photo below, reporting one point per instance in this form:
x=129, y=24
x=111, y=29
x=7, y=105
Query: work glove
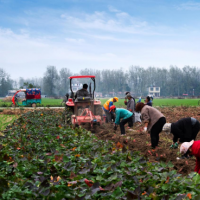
x=145, y=129
x=115, y=127
x=125, y=102
x=174, y=146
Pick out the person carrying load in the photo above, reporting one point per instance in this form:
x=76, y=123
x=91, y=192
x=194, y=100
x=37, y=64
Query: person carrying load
x=106, y=108
x=123, y=114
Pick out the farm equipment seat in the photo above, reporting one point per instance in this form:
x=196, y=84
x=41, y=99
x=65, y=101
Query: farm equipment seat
x=82, y=99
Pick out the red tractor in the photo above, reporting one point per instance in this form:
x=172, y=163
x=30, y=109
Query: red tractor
x=83, y=110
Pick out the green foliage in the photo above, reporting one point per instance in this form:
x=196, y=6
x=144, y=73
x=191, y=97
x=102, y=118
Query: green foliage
x=50, y=81
x=120, y=103
x=5, y=120
x=29, y=85
x=5, y=83
x=162, y=102
x=42, y=158
x=45, y=102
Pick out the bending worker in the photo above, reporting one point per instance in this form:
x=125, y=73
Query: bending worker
x=185, y=129
x=192, y=148
x=154, y=121
x=123, y=114
x=106, y=108
x=131, y=107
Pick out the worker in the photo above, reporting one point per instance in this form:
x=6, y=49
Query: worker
x=131, y=107
x=126, y=93
x=185, y=129
x=139, y=100
x=106, y=108
x=123, y=114
x=148, y=101
x=153, y=120
x=192, y=148
x=82, y=92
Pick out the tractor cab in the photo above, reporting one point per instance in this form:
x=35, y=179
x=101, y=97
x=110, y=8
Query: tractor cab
x=82, y=105
x=31, y=97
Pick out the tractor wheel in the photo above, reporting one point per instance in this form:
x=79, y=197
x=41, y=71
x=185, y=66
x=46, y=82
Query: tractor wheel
x=98, y=110
x=34, y=105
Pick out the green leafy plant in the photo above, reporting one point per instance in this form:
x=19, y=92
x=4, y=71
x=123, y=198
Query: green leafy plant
x=42, y=158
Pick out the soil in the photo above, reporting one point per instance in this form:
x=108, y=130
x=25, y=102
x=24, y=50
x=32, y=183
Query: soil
x=136, y=140
x=22, y=111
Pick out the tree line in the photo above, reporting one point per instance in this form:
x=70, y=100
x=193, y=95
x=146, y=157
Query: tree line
x=172, y=82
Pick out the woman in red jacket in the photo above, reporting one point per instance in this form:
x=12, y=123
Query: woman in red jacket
x=192, y=148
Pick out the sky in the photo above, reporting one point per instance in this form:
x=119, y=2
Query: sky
x=97, y=34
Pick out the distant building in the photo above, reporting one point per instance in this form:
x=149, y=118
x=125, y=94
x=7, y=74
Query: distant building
x=155, y=91
x=77, y=86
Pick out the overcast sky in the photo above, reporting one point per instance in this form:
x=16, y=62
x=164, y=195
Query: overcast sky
x=98, y=34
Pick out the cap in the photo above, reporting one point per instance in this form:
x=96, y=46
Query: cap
x=116, y=98
x=112, y=108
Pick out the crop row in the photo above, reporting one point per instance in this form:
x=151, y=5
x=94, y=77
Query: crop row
x=42, y=158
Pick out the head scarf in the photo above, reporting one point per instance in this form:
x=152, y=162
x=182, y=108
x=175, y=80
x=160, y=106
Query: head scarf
x=185, y=146
x=167, y=128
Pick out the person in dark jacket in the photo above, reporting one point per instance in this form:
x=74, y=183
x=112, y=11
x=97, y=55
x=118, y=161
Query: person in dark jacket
x=131, y=107
x=148, y=101
x=192, y=148
x=184, y=130
x=82, y=92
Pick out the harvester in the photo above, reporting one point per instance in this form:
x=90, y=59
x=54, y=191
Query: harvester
x=83, y=110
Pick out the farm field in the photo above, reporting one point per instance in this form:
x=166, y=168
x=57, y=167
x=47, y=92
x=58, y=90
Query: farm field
x=99, y=164
x=45, y=102
x=163, y=102
x=156, y=102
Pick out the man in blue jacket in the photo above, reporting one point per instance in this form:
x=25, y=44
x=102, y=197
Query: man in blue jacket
x=123, y=114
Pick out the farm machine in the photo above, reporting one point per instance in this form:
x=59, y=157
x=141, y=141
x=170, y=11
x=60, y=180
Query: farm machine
x=83, y=110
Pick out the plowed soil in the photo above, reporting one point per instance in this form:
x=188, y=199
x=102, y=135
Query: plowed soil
x=136, y=140
x=21, y=111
